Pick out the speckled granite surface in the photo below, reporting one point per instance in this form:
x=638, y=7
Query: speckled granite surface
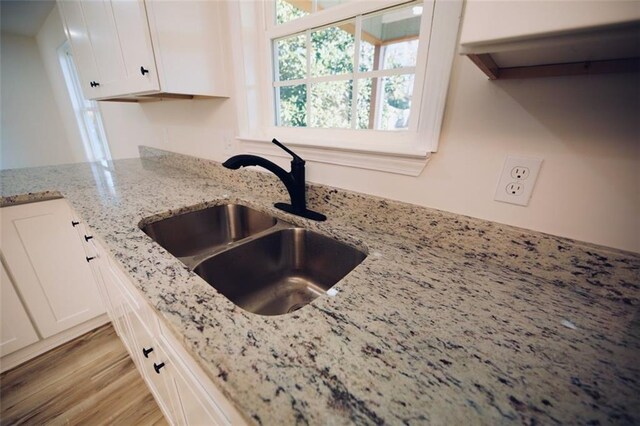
x=449, y=320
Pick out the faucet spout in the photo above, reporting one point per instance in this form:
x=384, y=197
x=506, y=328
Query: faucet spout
x=245, y=160
x=294, y=180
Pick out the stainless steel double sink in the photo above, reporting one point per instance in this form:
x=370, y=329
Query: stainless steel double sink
x=262, y=264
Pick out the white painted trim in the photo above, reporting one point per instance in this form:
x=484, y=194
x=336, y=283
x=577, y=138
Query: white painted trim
x=393, y=142
x=23, y=355
x=325, y=17
x=442, y=50
x=402, y=151
x=347, y=76
x=410, y=165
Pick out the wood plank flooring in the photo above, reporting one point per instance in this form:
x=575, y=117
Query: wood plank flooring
x=88, y=381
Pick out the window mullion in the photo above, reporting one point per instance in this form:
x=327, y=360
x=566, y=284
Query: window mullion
x=276, y=76
x=387, y=73
x=356, y=67
x=377, y=66
x=322, y=79
x=308, y=76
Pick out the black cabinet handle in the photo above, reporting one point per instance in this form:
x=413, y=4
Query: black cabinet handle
x=88, y=237
x=94, y=84
x=146, y=353
x=89, y=259
x=74, y=223
x=144, y=71
x=157, y=367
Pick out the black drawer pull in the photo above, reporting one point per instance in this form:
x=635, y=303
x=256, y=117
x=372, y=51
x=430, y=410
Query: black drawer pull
x=157, y=367
x=94, y=84
x=144, y=71
x=89, y=259
x=74, y=223
x=146, y=352
x=88, y=237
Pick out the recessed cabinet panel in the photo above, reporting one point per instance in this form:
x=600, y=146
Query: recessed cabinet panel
x=49, y=265
x=103, y=35
x=197, y=409
x=189, y=34
x=116, y=302
x=156, y=367
x=16, y=331
x=78, y=34
x=135, y=44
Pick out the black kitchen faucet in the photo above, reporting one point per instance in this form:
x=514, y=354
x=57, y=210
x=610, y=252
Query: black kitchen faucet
x=293, y=180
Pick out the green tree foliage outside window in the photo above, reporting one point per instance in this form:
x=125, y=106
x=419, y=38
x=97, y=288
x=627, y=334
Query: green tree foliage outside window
x=332, y=54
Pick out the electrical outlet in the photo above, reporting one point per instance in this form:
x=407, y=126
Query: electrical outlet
x=515, y=188
x=517, y=180
x=520, y=172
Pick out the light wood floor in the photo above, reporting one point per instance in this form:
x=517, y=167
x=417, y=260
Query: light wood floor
x=88, y=381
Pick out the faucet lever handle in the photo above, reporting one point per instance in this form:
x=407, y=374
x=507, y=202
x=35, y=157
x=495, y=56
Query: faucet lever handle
x=295, y=156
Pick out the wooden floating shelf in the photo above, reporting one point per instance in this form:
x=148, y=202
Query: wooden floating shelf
x=486, y=63
x=156, y=97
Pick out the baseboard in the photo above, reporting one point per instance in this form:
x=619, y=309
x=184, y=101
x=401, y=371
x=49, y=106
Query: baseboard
x=25, y=354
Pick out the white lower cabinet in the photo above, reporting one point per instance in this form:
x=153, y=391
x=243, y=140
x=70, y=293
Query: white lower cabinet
x=182, y=390
x=16, y=329
x=49, y=295
x=198, y=408
x=47, y=261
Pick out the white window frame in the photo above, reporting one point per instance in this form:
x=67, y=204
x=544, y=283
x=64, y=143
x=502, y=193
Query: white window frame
x=399, y=151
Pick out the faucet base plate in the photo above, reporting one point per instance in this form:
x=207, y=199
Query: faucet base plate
x=309, y=214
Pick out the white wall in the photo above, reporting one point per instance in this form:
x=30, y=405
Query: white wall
x=49, y=38
x=584, y=127
x=194, y=127
x=32, y=133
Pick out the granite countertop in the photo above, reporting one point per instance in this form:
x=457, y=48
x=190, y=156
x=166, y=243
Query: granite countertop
x=448, y=320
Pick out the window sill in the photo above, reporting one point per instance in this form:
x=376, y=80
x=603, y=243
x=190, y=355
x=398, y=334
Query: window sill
x=403, y=164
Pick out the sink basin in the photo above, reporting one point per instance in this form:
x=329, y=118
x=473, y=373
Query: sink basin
x=190, y=235
x=279, y=272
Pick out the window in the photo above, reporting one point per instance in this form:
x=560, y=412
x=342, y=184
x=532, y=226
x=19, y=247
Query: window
x=358, y=83
x=87, y=113
x=356, y=74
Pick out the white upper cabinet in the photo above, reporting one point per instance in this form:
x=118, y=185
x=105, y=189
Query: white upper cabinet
x=536, y=38
x=49, y=265
x=143, y=50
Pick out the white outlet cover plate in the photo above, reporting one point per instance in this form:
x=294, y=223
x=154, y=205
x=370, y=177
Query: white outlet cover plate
x=528, y=183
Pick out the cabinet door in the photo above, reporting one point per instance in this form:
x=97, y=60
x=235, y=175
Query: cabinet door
x=48, y=263
x=117, y=35
x=116, y=301
x=16, y=330
x=77, y=33
x=196, y=408
x=156, y=368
